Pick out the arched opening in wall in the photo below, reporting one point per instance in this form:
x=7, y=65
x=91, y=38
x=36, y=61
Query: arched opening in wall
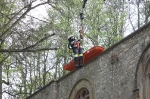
x=147, y=84
x=83, y=93
x=142, y=77
x=146, y=81
x=83, y=89
x=148, y=87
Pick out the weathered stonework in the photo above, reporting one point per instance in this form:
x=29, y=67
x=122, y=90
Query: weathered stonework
x=121, y=72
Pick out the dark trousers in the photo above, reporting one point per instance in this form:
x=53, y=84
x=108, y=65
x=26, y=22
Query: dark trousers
x=78, y=56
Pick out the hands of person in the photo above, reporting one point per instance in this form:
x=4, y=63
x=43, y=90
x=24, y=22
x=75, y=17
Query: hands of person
x=70, y=51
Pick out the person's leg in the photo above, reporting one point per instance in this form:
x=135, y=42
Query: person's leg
x=81, y=57
x=76, y=57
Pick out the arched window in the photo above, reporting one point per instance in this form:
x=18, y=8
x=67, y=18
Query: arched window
x=143, y=76
x=147, y=85
x=147, y=79
x=149, y=88
x=83, y=93
x=83, y=89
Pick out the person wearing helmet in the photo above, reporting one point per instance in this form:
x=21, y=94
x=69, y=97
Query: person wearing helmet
x=74, y=45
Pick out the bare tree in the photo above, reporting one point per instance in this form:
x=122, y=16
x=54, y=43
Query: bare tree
x=18, y=36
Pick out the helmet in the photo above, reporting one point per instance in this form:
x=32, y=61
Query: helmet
x=71, y=38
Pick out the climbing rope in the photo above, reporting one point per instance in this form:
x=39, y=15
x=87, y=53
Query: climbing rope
x=81, y=19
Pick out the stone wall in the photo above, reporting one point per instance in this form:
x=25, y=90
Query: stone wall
x=110, y=76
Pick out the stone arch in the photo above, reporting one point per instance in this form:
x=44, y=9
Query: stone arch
x=142, y=76
x=83, y=89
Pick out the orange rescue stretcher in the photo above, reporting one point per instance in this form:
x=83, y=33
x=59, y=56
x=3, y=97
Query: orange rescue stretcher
x=87, y=56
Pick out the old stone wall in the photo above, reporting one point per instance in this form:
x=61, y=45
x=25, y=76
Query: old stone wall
x=110, y=76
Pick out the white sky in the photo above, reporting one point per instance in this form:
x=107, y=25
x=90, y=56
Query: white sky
x=39, y=12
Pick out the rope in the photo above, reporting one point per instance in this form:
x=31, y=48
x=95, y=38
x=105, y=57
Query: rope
x=81, y=18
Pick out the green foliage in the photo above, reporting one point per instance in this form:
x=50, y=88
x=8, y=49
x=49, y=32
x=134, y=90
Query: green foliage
x=6, y=10
x=103, y=24
x=1, y=57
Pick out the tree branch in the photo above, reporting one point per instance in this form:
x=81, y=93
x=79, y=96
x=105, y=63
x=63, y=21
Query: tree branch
x=25, y=50
x=14, y=24
x=12, y=94
x=37, y=18
x=29, y=8
x=5, y=82
x=41, y=40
